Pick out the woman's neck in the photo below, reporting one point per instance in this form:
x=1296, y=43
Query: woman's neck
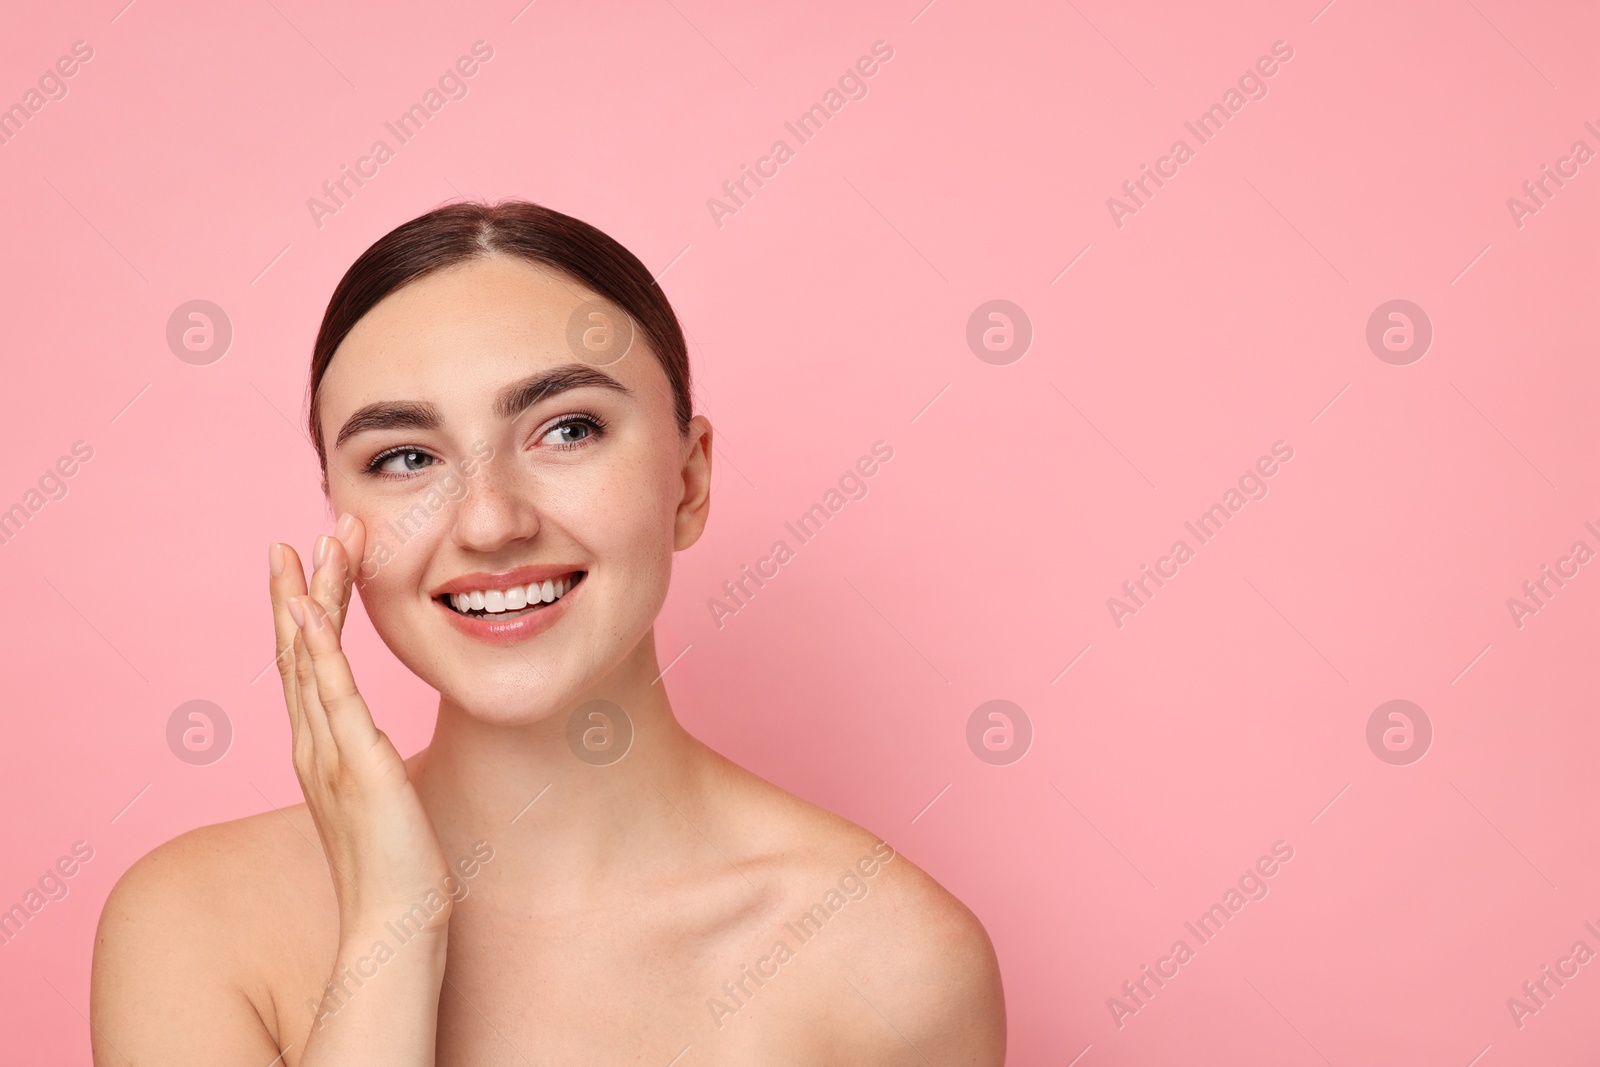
x=566, y=818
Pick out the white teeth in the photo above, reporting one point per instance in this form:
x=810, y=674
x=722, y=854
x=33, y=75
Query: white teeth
x=516, y=598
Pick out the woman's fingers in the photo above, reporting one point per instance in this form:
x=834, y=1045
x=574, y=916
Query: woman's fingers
x=286, y=581
x=330, y=582
x=337, y=556
x=333, y=685
x=324, y=751
x=352, y=532
x=325, y=709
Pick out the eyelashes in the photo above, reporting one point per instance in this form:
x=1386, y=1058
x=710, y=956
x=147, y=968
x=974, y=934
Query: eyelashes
x=377, y=462
x=592, y=425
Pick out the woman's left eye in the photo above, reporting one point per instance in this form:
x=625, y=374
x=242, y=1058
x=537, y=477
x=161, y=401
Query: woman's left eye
x=572, y=431
x=401, y=462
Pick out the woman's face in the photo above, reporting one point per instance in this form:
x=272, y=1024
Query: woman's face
x=486, y=453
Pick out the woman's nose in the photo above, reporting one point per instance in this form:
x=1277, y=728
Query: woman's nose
x=498, y=509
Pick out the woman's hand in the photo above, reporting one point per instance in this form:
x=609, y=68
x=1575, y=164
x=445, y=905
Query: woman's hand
x=382, y=849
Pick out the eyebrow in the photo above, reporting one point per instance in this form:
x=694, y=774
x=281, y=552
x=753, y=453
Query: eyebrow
x=510, y=402
x=514, y=399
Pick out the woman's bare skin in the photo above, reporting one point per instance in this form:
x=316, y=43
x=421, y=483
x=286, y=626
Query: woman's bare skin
x=497, y=898
x=228, y=962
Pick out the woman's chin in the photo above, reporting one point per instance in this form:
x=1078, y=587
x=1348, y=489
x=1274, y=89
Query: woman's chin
x=511, y=706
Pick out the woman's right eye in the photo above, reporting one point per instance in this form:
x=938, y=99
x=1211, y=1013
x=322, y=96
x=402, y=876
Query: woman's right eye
x=400, y=462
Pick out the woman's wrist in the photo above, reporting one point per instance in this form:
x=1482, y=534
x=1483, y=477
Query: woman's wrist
x=425, y=914
x=394, y=936
x=380, y=968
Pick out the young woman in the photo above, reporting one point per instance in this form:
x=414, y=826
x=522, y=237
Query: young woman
x=500, y=400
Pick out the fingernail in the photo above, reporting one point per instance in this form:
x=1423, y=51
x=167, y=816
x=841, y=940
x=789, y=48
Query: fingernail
x=318, y=618
x=347, y=524
x=275, y=558
x=320, y=553
x=298, y=612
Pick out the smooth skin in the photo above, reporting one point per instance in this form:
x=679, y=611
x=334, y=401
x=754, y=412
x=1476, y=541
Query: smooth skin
x=619, y=904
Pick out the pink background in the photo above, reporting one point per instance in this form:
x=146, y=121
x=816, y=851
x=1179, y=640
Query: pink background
x=1229, y=313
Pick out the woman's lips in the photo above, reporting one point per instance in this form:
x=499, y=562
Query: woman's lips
x=483, y=580
x=511, y=627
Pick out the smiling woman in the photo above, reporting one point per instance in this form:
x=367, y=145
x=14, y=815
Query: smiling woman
x=542, y=493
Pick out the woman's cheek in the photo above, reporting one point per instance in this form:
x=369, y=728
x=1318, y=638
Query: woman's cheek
x=379, y=596
x=652, y=559
x=379, y=554
x=388, y=567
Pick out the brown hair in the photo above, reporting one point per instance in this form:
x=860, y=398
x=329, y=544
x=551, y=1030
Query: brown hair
x=457, y=233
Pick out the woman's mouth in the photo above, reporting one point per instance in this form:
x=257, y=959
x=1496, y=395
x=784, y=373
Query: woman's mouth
x=513, y=603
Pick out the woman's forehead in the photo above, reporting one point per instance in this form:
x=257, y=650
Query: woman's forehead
x=469, y=328
x=499, y=299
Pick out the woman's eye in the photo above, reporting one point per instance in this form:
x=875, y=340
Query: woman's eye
x=572, y=433
x=407, y=462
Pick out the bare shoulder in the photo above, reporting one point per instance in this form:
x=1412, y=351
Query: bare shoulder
x=180, y=951
x=916, y=973
x=214, y=878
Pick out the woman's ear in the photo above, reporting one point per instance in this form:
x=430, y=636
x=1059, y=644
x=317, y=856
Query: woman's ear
x=695, y=505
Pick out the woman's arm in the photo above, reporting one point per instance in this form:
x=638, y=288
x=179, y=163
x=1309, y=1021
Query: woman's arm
x=162, y=989
x=923, y=979
x=169, y=985
x=390, y=1017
